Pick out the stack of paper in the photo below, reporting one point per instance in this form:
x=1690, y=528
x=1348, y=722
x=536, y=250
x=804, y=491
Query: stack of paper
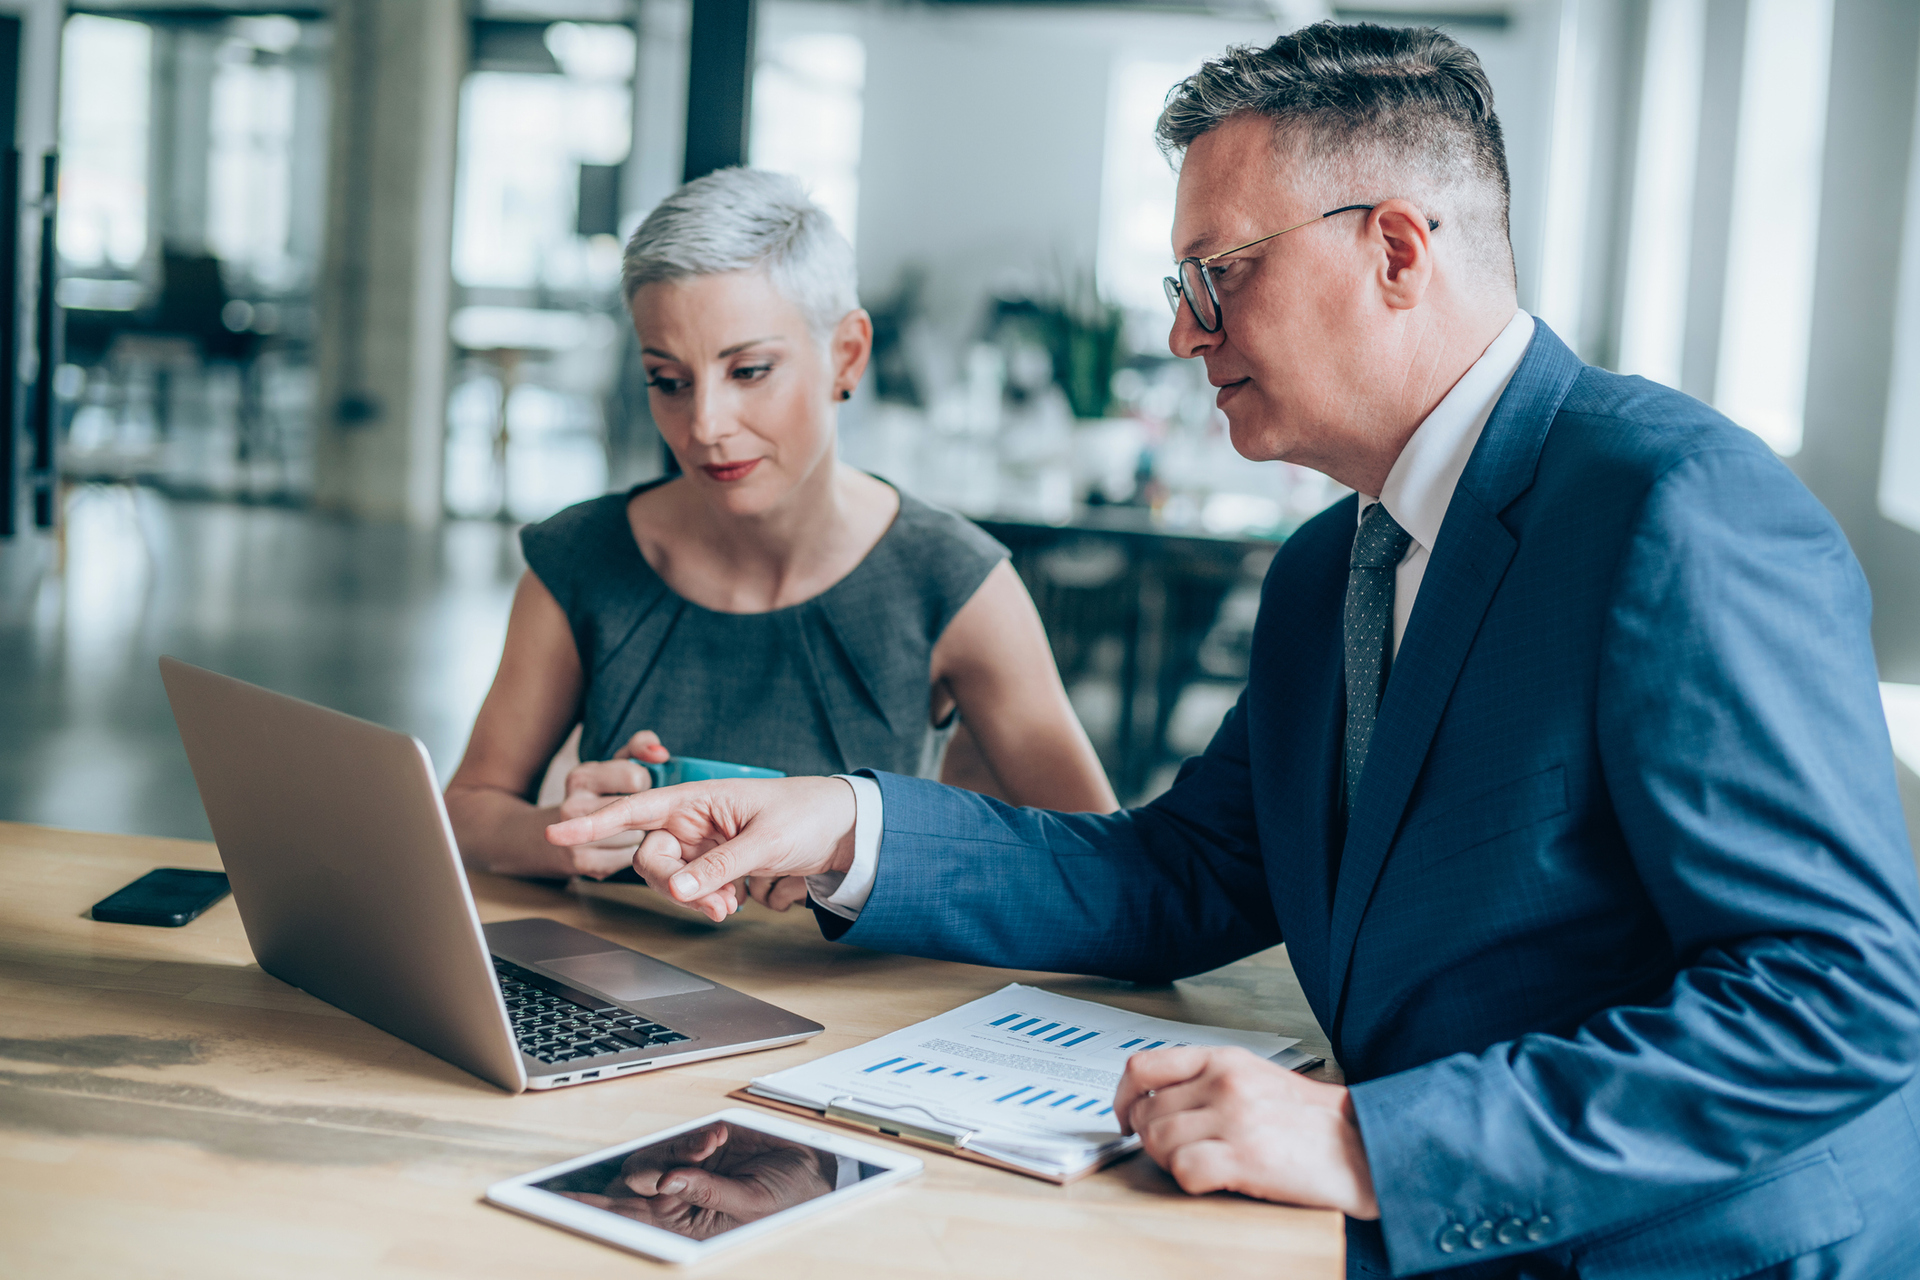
x=1023, y=1077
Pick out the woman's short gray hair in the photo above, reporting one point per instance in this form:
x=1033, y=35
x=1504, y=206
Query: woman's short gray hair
x=747, y=220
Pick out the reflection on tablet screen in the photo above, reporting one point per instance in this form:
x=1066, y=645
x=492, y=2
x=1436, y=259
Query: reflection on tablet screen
x=707, y=1181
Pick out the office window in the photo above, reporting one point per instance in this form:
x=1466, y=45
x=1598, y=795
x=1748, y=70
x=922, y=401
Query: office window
x=104, y=66
x=523, y=138
x=249, y=165
x=1766, y=322
x=1654, y=309
x=808, y=99
x=1137, y=185
x=1900, y=448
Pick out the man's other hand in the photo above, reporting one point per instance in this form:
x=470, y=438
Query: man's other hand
x=1224, y=1119
x=703, y=838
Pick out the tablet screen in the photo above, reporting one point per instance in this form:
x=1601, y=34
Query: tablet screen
x=707, y=1181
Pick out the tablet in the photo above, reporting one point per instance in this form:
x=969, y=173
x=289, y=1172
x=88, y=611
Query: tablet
x=684, y=1194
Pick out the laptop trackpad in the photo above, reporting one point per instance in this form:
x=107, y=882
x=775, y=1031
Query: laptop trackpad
x=627, y=975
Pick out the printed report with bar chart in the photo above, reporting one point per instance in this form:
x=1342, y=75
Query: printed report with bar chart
x=1022, y=1078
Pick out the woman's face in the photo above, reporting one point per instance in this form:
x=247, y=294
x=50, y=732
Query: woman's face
x=743, y=392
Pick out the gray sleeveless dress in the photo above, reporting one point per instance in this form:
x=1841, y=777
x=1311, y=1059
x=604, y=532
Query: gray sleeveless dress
x=835, y=683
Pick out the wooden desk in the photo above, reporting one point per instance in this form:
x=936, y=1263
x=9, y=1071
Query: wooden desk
x=168, y=1109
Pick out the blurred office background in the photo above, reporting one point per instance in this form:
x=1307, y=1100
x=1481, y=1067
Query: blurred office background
x=315, y=304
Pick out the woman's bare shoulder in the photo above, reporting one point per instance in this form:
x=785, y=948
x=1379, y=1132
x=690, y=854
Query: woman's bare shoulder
x=873, y=503
x=657, y=514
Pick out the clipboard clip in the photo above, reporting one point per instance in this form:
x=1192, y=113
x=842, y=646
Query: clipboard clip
x=892, y=1127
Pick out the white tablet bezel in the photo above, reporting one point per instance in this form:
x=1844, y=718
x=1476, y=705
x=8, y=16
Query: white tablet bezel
x=520, y=1195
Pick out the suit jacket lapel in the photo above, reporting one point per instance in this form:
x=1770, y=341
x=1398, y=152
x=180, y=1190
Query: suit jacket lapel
x=1295, y=701
x=1464, y=570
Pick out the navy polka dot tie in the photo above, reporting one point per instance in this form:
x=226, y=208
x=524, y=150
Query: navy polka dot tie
x=1377, y=550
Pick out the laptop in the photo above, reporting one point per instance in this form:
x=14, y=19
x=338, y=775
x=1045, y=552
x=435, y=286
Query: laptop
x=351, y=888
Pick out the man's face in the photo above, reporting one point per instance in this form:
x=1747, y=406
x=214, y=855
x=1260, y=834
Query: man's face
x=1297, y=325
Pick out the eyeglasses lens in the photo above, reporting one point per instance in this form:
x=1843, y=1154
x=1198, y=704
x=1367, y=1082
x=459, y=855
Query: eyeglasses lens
x=1193, y=283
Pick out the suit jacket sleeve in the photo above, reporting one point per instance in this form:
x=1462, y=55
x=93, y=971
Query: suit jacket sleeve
x=1747, y=760
x=1148, y=894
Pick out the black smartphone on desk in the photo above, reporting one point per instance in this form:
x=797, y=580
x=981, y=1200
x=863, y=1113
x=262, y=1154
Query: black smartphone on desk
x=168, y=897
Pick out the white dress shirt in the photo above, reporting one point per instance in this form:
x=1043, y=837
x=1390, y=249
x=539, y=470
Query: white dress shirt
x=1416, y=493
x=1420, y=486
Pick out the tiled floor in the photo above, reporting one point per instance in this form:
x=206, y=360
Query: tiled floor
x=397, y=625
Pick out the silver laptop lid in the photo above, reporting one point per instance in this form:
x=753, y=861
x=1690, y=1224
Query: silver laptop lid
x=344, y=867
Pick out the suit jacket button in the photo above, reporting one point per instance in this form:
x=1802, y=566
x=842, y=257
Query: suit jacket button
x=1540, y=1228
x=1452, y=1238
x=1510, y=1231
x=1481, y=1236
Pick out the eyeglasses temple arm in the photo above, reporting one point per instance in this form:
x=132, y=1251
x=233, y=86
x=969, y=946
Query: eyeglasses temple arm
x=1276, y=235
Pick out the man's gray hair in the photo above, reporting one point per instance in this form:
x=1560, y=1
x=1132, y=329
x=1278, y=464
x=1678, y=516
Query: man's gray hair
x=747, y=220
x=1369, y=113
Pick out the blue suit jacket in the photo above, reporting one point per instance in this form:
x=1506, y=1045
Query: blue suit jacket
x=1621, y=954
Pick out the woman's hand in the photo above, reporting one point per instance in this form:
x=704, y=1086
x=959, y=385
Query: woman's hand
x=593, y=785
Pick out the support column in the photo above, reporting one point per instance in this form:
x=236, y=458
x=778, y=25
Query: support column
x=182, y=97
x=386, y=287
x=719, y=86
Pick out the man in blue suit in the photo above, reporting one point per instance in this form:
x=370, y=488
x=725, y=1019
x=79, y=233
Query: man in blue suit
x=1560, y=768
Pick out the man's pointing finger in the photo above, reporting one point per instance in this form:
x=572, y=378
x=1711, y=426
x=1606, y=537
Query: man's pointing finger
x=643, y=812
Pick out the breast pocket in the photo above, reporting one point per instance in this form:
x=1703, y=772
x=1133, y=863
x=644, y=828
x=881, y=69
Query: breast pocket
x=1488, y=815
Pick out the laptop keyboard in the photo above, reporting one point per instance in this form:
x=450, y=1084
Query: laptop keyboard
x=555, y=1029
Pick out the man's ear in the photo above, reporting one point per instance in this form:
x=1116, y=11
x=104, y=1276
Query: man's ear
x=1404, y=238
x=849, y=350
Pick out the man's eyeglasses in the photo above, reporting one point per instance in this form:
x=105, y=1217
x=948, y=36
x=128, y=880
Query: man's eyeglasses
x=1194, y=282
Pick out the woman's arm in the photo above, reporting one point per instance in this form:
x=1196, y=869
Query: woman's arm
x=994, y=660
x=534, y=703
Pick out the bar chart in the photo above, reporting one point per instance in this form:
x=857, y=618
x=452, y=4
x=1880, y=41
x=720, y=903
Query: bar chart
x=892, y=1066
x=1026, y=1096
x=1036, y=1030
x=1023, y=1075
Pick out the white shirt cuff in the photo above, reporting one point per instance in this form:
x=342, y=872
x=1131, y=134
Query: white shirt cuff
x=845, y=894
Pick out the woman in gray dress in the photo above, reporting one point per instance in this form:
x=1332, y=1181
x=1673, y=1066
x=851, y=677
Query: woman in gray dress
x=770, y=605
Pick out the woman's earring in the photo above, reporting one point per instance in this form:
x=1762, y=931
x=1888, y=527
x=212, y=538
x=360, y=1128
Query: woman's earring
x=846, y=393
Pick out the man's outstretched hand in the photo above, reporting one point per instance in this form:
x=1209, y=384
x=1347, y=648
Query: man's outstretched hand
x=703, y=838
x=1224, y=1119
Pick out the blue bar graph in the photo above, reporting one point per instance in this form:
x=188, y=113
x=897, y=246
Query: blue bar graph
x=1023, y=1026
x=1104, y=1111
x=900, y=1071
x=1081, y=1040
x=1057, y=1101
x=1155, y=1045
x=1002, y=1021
x=1043, y=1030
x=1056, y=1035
x=934, y=1071
x=1089, y=1102
x=1129, y=1044
x=1027, y=1102
x=876, y=1066
x=1016, y=1093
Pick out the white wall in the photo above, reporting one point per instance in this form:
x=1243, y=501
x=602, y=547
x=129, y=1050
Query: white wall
x=985, y=133
x=982, y=148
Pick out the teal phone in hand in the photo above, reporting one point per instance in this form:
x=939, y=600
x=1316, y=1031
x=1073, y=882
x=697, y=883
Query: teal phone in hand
x=694, y=769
